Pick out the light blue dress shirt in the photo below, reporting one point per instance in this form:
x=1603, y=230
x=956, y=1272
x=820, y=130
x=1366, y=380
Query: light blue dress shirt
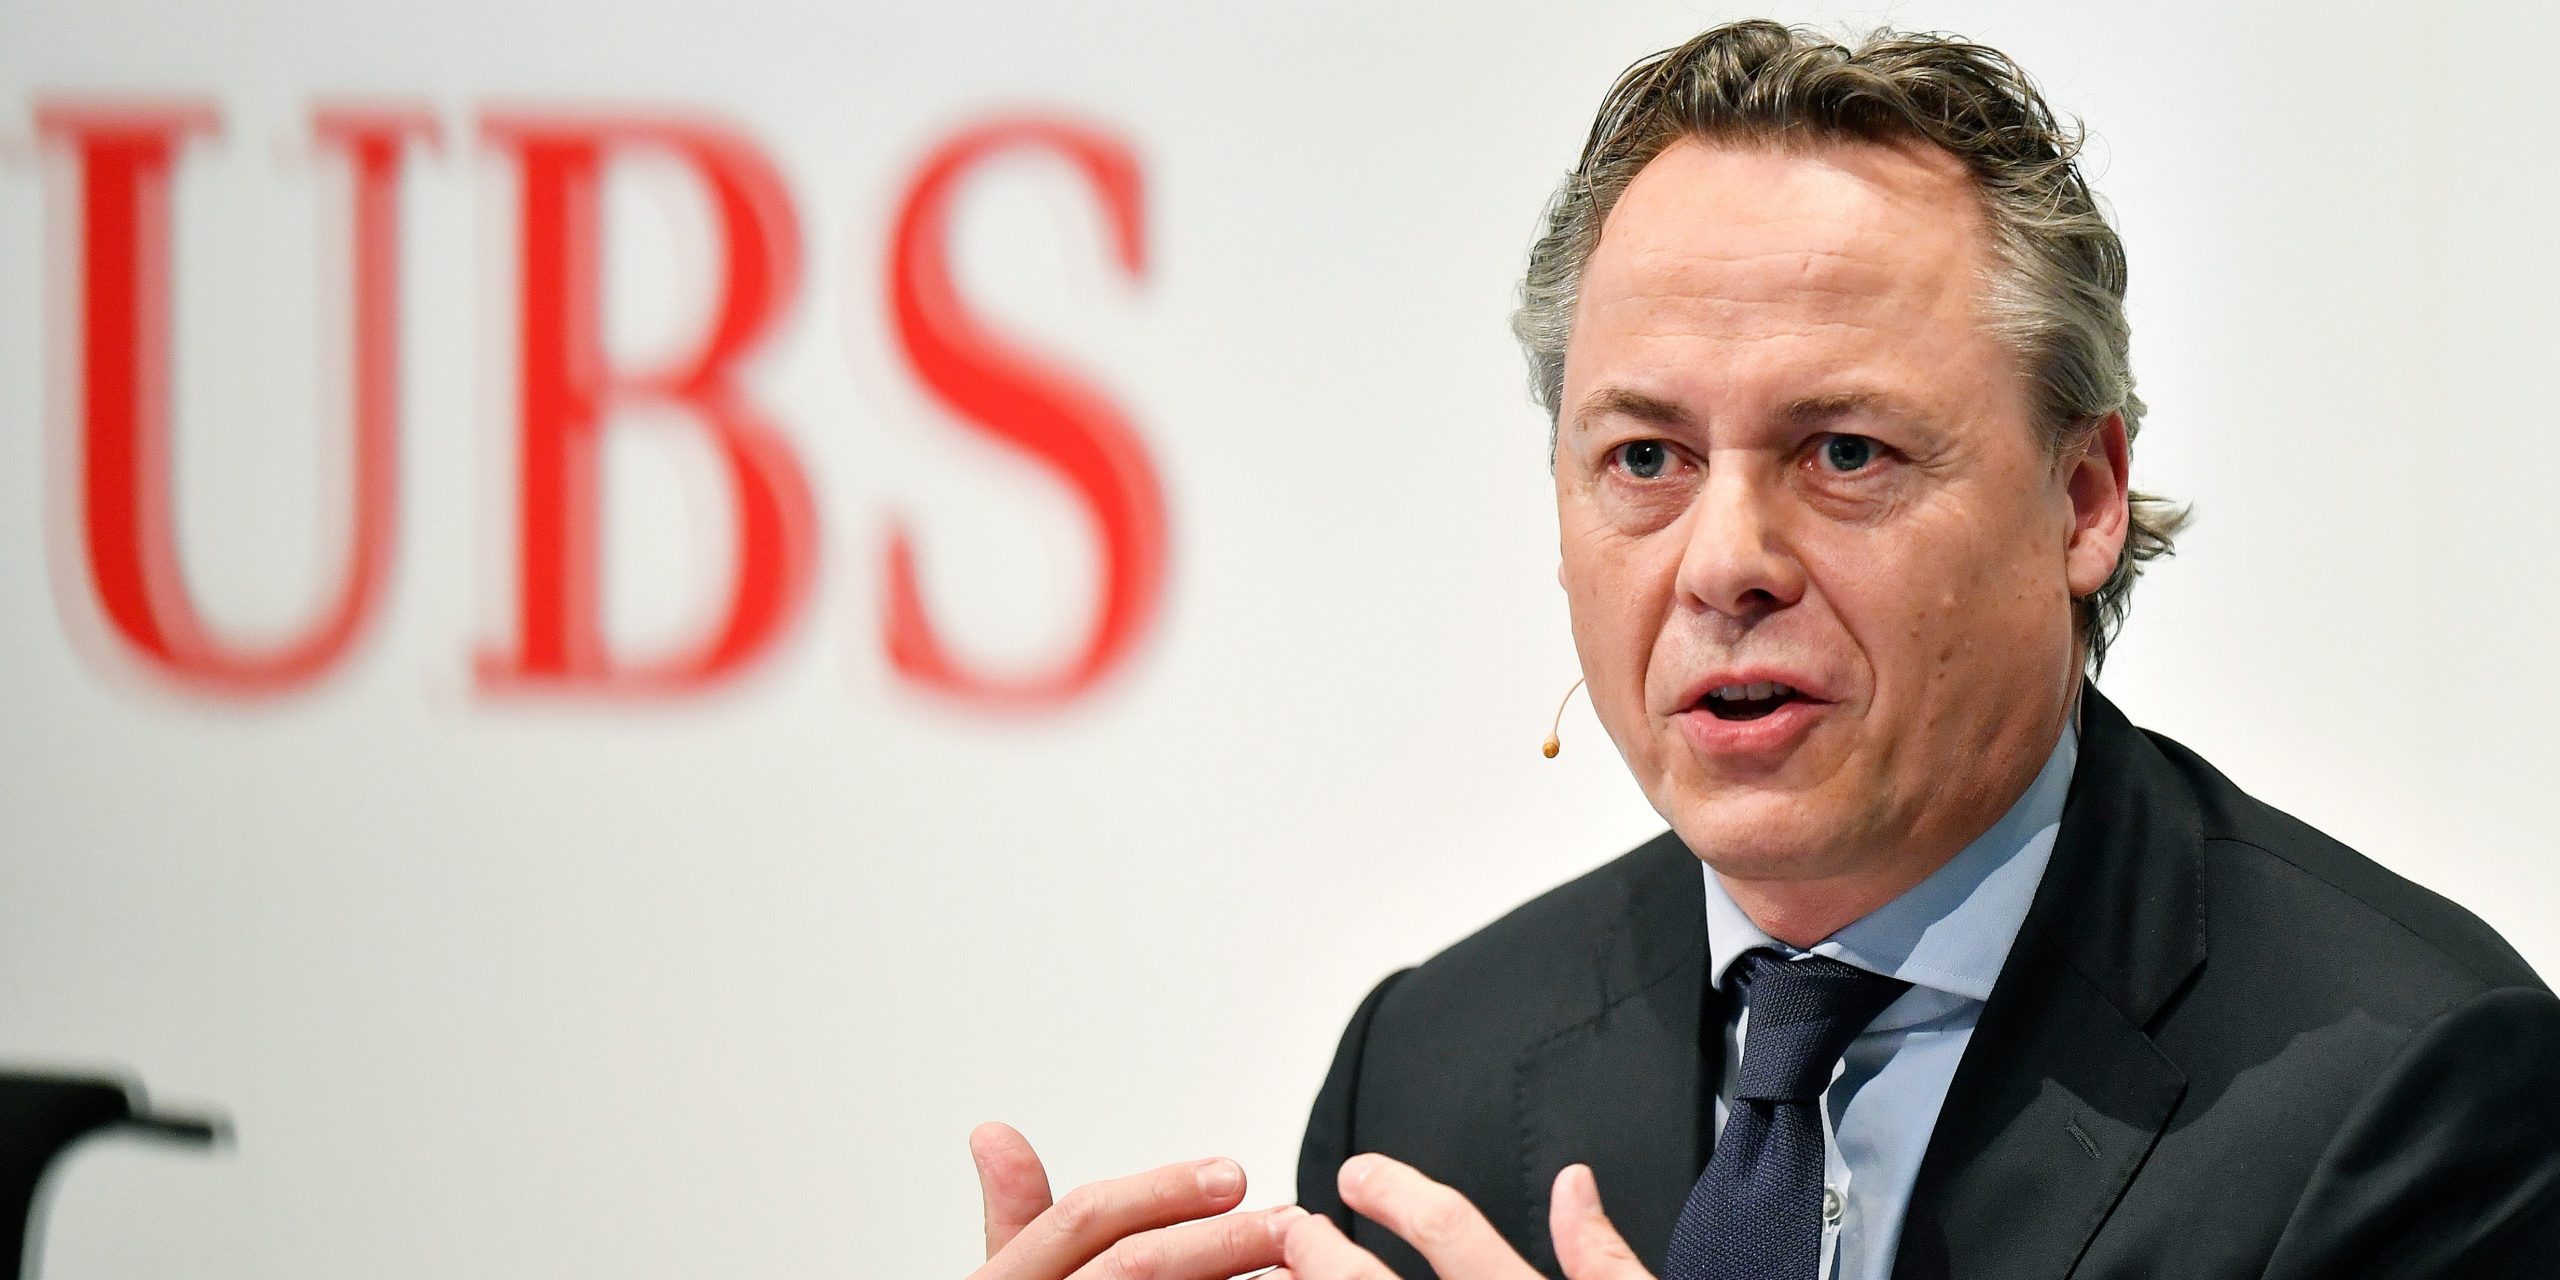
x=1947, y=936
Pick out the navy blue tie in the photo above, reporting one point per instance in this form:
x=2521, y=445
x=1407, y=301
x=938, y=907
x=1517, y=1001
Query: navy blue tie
x=1756, y=1213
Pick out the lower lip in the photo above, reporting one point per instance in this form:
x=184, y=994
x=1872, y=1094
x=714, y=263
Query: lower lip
x=1772, y=735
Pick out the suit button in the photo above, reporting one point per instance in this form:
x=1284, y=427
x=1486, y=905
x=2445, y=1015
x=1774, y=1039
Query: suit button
x=1831, y=1206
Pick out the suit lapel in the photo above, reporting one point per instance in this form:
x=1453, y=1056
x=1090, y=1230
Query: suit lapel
x=2061, y=1094
x=1624, y=1090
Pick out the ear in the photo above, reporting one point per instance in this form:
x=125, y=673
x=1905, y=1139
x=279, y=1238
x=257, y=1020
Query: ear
x=2097, y=478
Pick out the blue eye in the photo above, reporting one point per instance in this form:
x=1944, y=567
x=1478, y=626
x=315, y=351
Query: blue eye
x=1643, y=459
x=1848, y=453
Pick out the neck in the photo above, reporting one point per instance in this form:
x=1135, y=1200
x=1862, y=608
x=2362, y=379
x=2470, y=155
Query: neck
x=1801, y=913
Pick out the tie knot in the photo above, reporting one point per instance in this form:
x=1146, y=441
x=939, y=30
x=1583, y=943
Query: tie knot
x=1804, y=1013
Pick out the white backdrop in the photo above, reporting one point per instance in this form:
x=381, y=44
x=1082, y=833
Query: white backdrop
x=716, y=984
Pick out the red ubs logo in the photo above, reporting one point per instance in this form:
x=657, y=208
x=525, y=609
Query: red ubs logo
x=124, y=153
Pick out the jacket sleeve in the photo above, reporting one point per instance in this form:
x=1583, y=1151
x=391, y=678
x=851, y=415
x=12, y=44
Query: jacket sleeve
x=2450, y=1166
x=1329, y=1139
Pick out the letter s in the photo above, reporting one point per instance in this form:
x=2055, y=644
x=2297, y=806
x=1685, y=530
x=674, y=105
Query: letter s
x=1024, y=403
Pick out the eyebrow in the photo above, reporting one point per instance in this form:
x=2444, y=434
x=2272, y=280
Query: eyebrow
x=1814, y=410
x=1809, y=411
x=1629, y=403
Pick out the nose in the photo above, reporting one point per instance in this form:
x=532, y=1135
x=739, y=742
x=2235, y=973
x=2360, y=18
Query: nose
x=1736, y=561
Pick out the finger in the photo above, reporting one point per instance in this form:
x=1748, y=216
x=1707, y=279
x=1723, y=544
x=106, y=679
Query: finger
x=1435, y=1219
x=1587, y=1243
x=1317, y=1250
x=1095, y=1216
x=1012, y=1185
x=1212, y=1250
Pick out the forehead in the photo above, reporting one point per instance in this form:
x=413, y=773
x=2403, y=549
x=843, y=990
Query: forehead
x=1839, y=253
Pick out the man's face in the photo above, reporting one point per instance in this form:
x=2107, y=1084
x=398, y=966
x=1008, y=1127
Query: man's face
x=1790, y=453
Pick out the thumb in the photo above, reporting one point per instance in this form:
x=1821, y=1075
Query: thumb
x=1012, y=1185
x=1588, y=1246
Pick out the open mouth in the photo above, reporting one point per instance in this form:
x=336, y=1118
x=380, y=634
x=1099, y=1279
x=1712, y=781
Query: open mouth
x=1748, y=701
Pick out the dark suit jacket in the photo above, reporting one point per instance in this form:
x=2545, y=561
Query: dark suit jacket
x=2224, y=1045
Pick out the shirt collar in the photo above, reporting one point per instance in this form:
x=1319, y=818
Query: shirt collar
x=1952, y=931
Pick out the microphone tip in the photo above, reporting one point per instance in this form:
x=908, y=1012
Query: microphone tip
x=1555, y=730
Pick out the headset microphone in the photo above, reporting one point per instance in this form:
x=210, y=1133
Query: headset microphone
x=1553, y=745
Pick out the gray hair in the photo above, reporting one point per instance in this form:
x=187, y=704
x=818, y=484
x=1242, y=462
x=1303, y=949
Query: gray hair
x=2055, y=292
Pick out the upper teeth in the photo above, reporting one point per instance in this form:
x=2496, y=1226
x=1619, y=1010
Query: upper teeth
x=1752, y=692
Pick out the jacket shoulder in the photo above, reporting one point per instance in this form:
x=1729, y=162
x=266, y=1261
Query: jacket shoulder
x=2327, y=907
x=1548, y=962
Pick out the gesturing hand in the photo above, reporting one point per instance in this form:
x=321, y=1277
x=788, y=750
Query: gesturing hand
x=1144, y=1225
x=1451, y=1234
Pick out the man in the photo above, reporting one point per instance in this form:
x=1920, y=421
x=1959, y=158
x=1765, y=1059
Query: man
x=1943, y=969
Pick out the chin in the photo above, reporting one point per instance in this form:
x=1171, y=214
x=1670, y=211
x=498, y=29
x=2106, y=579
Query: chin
x=1753, y=834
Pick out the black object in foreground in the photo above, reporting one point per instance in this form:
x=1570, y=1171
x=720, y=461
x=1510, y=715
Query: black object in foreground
x=41, y=1116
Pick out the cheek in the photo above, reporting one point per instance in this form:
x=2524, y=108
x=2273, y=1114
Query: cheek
x=1610, y=628
x=1617, y=596
x=1942, y=603
x=1609, y=581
